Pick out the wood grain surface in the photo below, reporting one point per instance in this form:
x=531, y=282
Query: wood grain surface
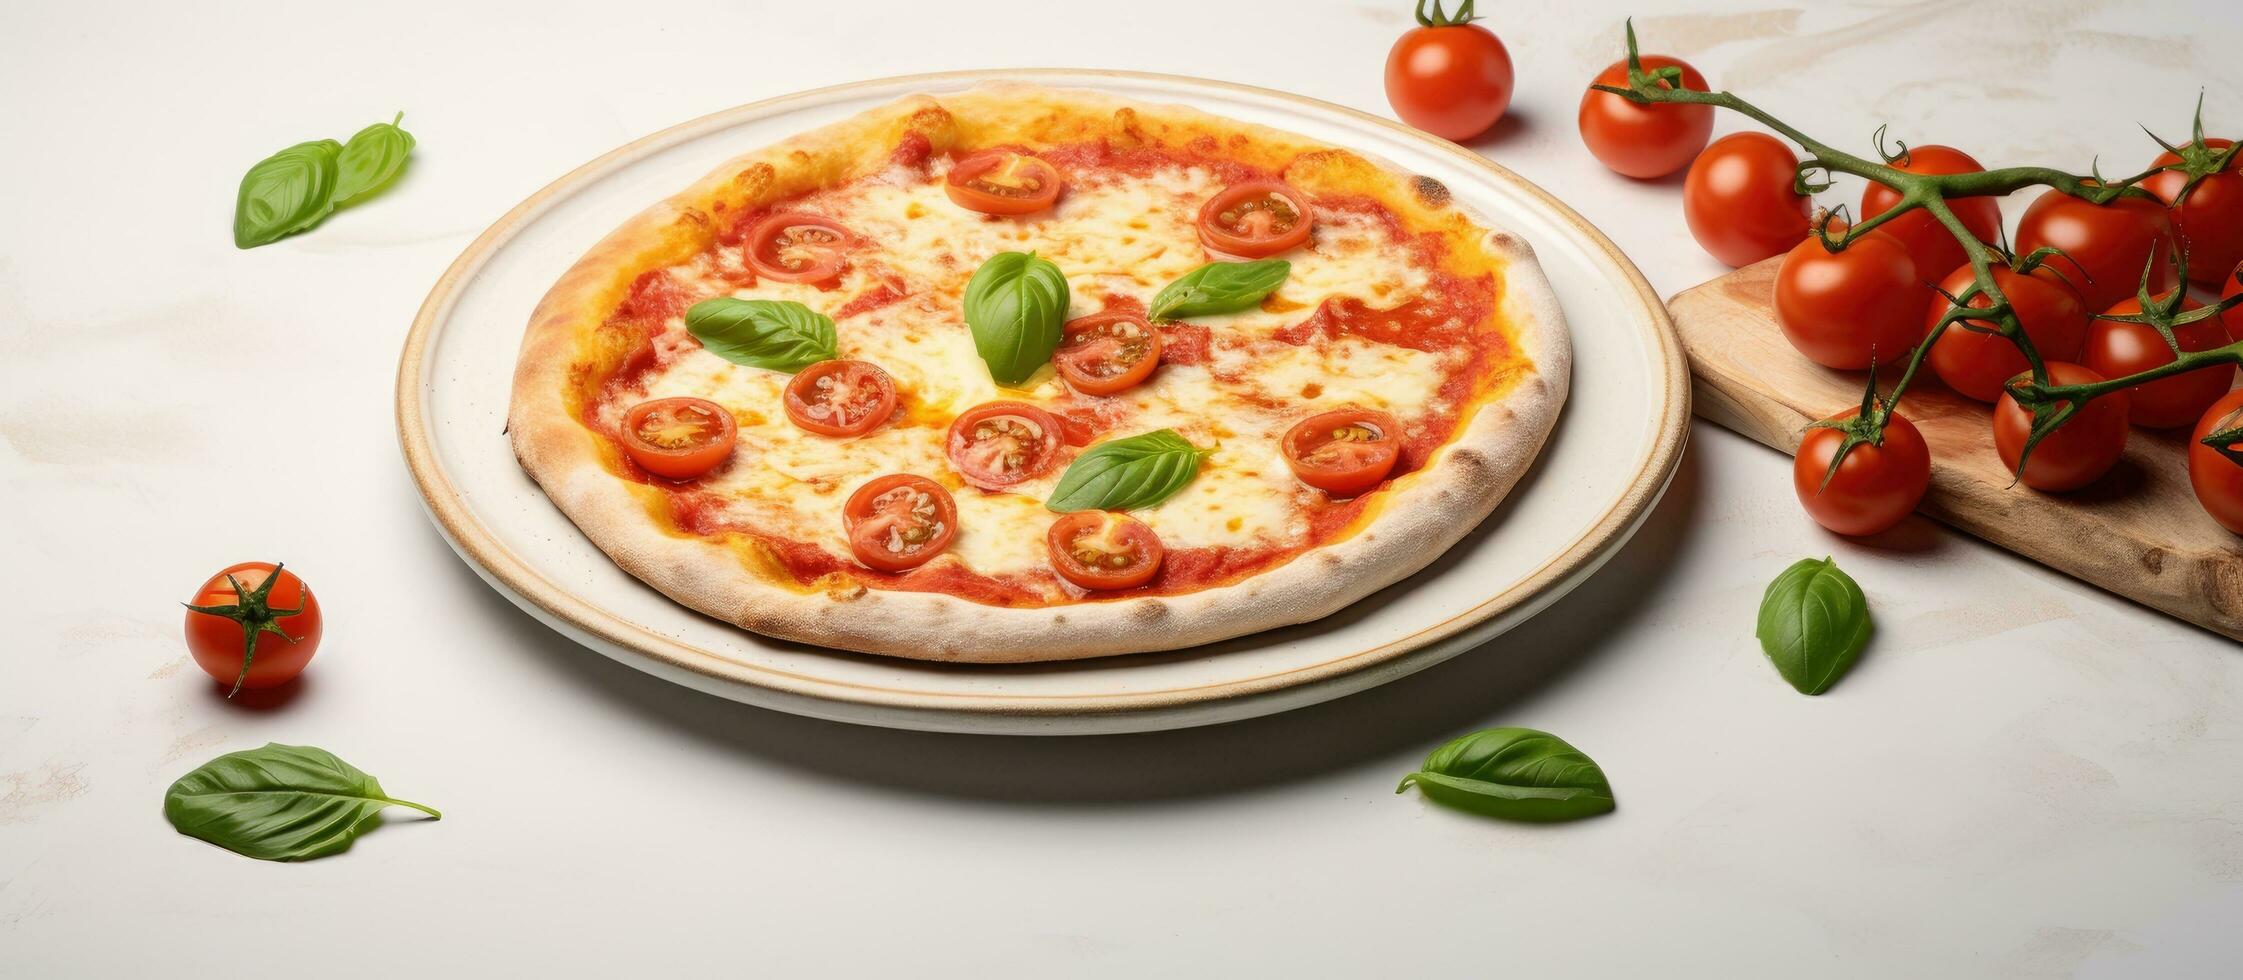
x=2138, y=531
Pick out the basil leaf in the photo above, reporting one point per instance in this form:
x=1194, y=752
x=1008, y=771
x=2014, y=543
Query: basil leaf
x=286, y=193
x=1813, y=623
x=1515, y=774
x=1126, y=474
x=776, y=334
x=370, y=161
x=1015, y=305
x=1219, y=287
x=278, y=803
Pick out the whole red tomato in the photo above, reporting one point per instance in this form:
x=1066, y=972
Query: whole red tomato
x=1740, y=202
x=2210, y=221
x=2218, y=480
x=2080, y=451
x=2106, y=246
x=1934, y=247
x=1977, y=364
x=258, y=613
x=2116, y=347
x=2234, y=315
x=1449, y=76
x=1874, y=488
x=1849, y=308
x=1644, y=141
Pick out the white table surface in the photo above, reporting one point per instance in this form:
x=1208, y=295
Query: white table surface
x=2023, y=777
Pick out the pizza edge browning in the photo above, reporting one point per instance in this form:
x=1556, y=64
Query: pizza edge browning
x=1423, y=517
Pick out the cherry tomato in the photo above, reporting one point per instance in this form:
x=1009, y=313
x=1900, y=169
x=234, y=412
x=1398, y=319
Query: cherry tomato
x=2116, y=348
x=1645, y=141
x=2210, y=222
x=2106, y=246
x=254, y=625
x=1100, y=550
x=2218, y=480
x=1451, y=80
x=1000, y=444
x=1934, y=247
x=1003, y=182
x=1345, y=452
x=794, y=246
x=841, y=398
x=1104, y=353
x=899, y=522
x=1874, y=488
x=1255, y=219
x=2234, y=315
x=678, y=438
x=1845, y=309
x=1739, y=201
x=2080, y=451
x=1977, y=364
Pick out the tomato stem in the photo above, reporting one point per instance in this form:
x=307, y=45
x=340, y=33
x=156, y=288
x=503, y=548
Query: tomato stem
x=254, y=613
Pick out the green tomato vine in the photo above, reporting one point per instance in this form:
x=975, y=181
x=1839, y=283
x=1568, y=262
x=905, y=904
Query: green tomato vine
x=2052, y=405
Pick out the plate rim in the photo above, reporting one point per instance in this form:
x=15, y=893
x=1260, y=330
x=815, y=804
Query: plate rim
x=476, y=543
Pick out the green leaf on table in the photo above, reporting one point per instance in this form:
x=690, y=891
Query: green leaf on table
x=1813, y=623
x=285, y=193
x=279, y=803
x=1514, y=774
x=370, y=161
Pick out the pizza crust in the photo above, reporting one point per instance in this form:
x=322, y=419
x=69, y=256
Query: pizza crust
x=1419, y=517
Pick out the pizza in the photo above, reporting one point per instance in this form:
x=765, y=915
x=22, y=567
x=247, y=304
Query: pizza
x=1022, y=373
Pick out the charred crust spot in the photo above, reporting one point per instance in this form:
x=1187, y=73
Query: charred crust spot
x=1059, y=619
x=1148, y=611
x=1328, y=558
x=2153, y=560
x=1431, y=193
x=755, y=180
x=1472, y=465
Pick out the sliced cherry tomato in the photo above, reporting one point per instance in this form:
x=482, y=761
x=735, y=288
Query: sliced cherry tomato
x=1255, y=219
x=1739, y=199
x=899, y=522
x=1345, y=452
x=678, y=438
x=1104, y=353
x=254, y=625
x=841, y=398
x=1644, y=141
x=2116, y=348
x=2080, y=451
x=2218, y=480
x=794, y=246
x=1001, y=444
x=1977, y=364
x=1874, y=488
x=1003, y=182
x=2210, y=222
x=1847, y=308
x=1096, y=549
x=1450, y=79
x=1934, y=247
x=2106, y=246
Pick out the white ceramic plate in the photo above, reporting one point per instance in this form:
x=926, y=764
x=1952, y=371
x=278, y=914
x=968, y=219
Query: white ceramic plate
x=1615, y=447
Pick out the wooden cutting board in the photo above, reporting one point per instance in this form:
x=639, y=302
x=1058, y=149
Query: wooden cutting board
x=2138, y=531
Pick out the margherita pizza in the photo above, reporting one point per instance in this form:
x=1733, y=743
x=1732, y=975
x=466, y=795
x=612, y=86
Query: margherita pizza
x=1032, y=374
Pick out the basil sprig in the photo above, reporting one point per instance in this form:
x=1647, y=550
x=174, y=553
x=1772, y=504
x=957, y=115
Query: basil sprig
x=297, y=188
x=1127, y=474
x=1219, y=287
x=1515, y=774
x=1015, y=305
x=1813, y=623
x=279, y=803
x=774, y=334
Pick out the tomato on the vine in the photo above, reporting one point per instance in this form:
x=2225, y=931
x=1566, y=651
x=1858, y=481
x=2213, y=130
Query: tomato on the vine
x=2210, y=221
x=1449, y=76
x=1740, y=201
x=2078, y=452
x=1977, y=364
x=2218, y=480
x=1853, y=307
x=2118, y=347
x=1644, y=141
x=2233, y=316
x=253, y=625
x=1934, y=247
x=2105, y=246
x=1877, y=485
